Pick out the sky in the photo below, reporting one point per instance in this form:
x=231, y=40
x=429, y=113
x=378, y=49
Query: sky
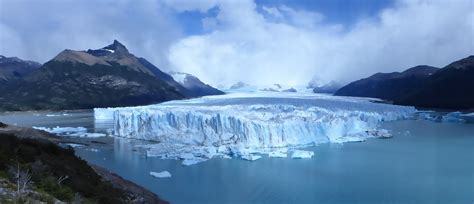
x=259, y=42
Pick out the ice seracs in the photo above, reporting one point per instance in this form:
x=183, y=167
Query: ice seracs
x=246, y=125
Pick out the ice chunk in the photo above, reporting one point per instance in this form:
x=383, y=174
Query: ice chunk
x=453, y=117
x=63, y=130
x=192, y=161
x=300, y=154
x=278, y=154
x=73, y=145
x=456, y=117
x=70, y=131
x=251, y=157
x=104, y=113
x=163, y=174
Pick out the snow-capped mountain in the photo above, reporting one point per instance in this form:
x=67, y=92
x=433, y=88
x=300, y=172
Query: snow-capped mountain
x=195, y=86
x=321, y=86
x=276, y=87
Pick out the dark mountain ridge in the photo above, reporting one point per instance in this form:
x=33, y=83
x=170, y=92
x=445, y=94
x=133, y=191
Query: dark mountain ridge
x=451, y=87
x=388, y=86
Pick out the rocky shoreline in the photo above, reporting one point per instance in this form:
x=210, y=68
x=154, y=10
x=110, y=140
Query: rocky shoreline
x=39, y=154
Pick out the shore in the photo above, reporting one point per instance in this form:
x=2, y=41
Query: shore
x=56, y=174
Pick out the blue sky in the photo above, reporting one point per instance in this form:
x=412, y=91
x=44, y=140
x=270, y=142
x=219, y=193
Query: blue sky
x=345, y=12
x=256, y=41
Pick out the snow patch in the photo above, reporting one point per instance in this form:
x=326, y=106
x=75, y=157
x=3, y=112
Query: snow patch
x=179, y=77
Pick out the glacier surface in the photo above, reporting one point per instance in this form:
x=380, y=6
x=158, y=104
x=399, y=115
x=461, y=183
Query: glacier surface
x=248, y=124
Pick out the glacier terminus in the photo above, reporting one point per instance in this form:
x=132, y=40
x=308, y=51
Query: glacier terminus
x=250, y=124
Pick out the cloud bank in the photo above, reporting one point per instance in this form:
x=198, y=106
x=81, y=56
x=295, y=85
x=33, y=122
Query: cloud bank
x=242, y=40
x=266, y=45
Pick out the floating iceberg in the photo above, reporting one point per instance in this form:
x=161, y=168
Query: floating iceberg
x=300, y=154
x=455, y=117
x=242, y=124
x=192, y=161
x=251, y=157
x=163, y=174
x=278, y=154
x=70, y=131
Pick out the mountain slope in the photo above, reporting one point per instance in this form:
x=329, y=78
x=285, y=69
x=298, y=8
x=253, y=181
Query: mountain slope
x=106, y=77
x=195, y=86
x=12, y=68
x=451, y=87
x=388, y=86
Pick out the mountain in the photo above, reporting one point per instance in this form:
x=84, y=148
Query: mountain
x=388, y=86
x=195, y=86
x=12, y=68
x=239, y=85
x=452, y=87
x=329, y=88
x=321, y=86
x=106, y=77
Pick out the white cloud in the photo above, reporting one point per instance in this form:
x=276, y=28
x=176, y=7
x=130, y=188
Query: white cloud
x=41, y=29
x=249, y=46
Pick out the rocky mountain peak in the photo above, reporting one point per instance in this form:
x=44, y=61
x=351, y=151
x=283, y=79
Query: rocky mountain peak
x=116, y=46
x=78, y=57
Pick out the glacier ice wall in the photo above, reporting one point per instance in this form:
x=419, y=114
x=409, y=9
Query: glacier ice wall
x=254, y=121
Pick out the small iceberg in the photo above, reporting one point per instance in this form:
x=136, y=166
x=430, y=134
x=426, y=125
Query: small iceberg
x=73, y=145
x=277, y=154
x=454, y=117
x=163, y=174
x=300, y=154
x=70, y=131
x=251, y=157
x=192, y=161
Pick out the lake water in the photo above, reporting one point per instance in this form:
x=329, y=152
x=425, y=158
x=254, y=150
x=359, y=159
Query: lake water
x=434, y=163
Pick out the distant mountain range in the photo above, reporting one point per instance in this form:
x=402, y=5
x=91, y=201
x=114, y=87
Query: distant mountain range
x=451, y=87
x=320, y=87
x=106, y=77
x=194, y=86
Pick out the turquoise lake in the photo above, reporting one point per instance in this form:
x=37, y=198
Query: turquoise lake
x=425, y=162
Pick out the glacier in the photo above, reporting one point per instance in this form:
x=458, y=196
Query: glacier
x=249, y=124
